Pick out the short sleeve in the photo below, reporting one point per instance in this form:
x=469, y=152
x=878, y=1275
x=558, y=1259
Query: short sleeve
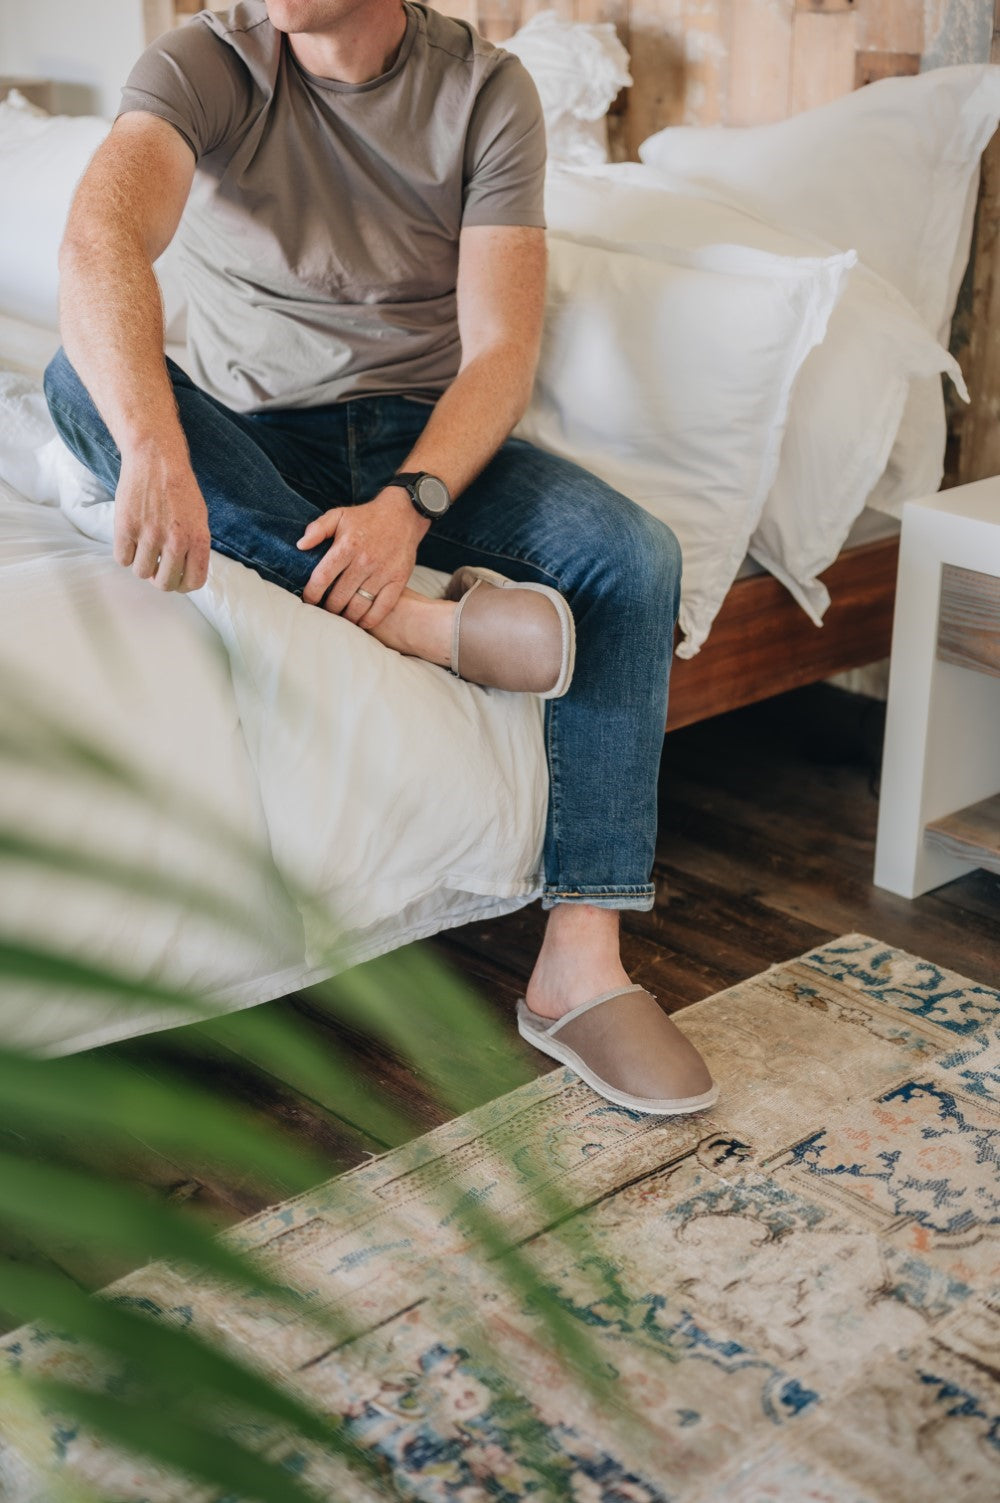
x=194, y=81
x=504, y=170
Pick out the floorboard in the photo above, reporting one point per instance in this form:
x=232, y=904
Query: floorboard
x=766, y=849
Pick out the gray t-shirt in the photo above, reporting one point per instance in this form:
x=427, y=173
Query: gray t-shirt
x=320, y=240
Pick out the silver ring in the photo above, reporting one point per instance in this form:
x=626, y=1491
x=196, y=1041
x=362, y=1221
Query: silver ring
x=366, y=593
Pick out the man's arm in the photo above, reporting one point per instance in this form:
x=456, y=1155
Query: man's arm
x=123, y=216
x=501, y=303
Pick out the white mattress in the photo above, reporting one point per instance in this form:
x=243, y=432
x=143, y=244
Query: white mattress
x=259, y=747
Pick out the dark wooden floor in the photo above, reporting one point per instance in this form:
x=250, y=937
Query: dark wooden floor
x=767, y=834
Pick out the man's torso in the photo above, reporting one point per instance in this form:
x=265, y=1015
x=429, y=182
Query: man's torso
x=320, y=241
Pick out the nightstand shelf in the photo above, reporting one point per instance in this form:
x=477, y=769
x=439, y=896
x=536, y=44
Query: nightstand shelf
x=971, y=834
x=939, y=808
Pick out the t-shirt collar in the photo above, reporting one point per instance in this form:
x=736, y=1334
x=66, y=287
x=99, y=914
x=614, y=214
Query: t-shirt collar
x=337, y=86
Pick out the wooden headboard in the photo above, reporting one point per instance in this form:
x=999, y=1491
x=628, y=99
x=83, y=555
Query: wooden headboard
x=745, y=62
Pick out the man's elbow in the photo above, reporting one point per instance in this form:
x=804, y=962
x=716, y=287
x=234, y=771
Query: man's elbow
x=83, y=238
x=91, y=241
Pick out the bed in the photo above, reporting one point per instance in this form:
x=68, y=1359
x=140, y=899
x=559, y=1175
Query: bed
x=240, y=781
x=696, y=63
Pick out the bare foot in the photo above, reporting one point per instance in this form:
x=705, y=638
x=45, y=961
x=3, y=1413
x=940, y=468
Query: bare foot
x=579, y=959
x=419, y=627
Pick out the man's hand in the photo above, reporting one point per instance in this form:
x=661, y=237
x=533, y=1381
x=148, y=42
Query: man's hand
x=374, y=548
x=161, y=521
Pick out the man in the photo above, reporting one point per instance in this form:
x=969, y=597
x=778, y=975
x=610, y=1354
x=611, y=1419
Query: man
x=364, y=251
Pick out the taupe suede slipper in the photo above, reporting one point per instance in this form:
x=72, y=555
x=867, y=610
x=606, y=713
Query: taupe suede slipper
x=627, y=1049
x=511, y=635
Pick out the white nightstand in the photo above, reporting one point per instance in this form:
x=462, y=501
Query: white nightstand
x=939, y=806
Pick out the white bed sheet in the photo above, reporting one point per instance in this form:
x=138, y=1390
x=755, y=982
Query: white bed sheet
x=390, y=798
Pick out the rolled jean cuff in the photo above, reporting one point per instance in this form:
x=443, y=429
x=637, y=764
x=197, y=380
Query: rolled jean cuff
x=639, y=899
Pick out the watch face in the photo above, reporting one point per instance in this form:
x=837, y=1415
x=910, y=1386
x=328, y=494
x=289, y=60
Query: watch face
x=433, y=494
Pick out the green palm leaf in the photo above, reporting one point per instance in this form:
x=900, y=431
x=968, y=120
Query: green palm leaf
x=188, y=1375
x=408, y=1002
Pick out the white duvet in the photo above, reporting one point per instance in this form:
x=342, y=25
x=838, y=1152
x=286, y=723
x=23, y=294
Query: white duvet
x=276, y=759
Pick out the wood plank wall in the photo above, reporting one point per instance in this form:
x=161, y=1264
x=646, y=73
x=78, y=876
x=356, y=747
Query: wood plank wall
x=731, y=62
x=747, y=62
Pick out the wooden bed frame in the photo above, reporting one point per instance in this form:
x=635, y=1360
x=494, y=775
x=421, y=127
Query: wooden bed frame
x=762, y=642
x=703, y=62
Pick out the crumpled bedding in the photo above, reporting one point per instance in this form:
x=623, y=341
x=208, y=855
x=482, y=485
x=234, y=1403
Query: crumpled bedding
x=268, y=758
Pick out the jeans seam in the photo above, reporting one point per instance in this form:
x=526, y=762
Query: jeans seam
x=352, y=454
x=622, y=901
x=629, y=889
x=83, y=433
x=555, y=774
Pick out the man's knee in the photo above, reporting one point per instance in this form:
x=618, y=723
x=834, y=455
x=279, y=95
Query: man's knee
x=644, y=554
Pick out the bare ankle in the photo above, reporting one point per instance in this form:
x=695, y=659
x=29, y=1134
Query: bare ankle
x=419, y=627
x=580, y=958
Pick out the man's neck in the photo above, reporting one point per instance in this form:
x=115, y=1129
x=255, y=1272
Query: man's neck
x=356, y=47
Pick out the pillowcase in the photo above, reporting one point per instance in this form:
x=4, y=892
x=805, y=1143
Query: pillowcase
x=848, y=404
x=849, y=398
x=916, y=463
x=670, y=379
x=42, y=158
x=886, y=171
x=578, y=70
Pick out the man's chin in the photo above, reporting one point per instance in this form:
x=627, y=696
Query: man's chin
x=284, y=17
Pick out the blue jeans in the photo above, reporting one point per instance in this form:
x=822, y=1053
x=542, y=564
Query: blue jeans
x=529, y=515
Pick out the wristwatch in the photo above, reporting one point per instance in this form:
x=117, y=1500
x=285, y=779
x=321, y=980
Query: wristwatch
x=429, y=494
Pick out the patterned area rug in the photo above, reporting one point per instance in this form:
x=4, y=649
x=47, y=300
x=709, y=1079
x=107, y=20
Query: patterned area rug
x=798, y=1293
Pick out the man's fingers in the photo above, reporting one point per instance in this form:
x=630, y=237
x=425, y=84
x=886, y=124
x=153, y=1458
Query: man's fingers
x=170, y=569
x=358, y=607
x=385, y=602
x=333, y=562
x=356, y=576
x=147, y=558
x=124, y=549
x=195, y=568
x=320, y=528
x=173, y=565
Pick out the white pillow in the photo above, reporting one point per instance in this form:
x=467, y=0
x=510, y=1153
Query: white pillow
x=42, y=158
x=847, y=403
x=578, y=70
x=916, y=464
x=670, y=379
x=886, y=171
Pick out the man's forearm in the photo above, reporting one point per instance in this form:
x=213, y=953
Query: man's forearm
x=474, y=416
x=111, y=320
